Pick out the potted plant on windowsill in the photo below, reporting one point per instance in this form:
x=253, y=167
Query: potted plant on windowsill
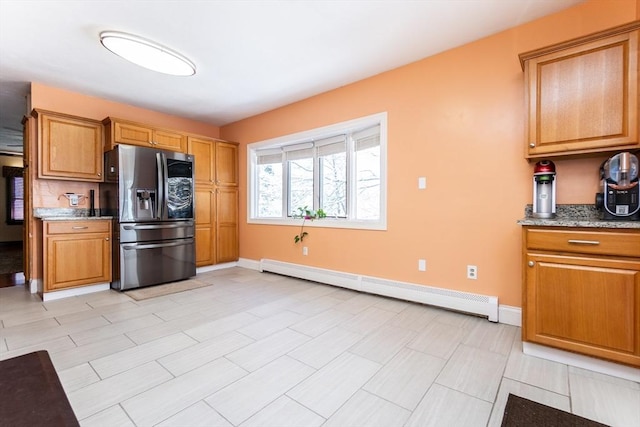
x=307, y=214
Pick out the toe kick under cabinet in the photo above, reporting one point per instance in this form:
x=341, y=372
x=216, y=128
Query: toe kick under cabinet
x=76, y=253
x=582, y=291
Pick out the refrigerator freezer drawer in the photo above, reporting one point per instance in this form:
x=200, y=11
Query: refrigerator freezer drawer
x=151, y=263
x=147, y=232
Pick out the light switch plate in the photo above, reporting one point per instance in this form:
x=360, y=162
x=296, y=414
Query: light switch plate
x=422, y=182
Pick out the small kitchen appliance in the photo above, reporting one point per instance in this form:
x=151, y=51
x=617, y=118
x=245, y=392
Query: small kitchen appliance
x=619, y=189
x=544, y=189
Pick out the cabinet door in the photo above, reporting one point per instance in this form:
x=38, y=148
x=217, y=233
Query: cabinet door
x=585, y=98
x=128, y=133
x=583, y=304
x=69, y=148
x=205, y=231
x=76, y=260
x=226, y=169
x=227, y=225
x=204, y=152
x=166, y=140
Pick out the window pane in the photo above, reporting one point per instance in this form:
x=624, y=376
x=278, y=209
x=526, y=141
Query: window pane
x=16, y=198
x=333, y=184
x=300, y=184
x=270, y=190
x=368, y=183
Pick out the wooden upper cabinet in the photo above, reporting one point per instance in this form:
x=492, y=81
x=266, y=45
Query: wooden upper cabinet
x=226, y=170
x=582, y=95
x=69, y=147
x=120, y=131
x=203, y=151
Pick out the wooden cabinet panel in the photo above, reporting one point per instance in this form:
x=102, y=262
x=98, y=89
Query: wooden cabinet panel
x=204, y=152
x=226, y=169
x=622, y=243
x=227, y=224
x=205, y=226
x=583, y=94
x=205, y=247
x=69, y=148
x=78, y=258
x=216, y=200
x=166, y=140
x=120, y=131
x=227, y=238
x=129, y=133
x=585, y=303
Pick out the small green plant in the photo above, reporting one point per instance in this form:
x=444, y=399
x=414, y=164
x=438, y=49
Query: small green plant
x=307, y=214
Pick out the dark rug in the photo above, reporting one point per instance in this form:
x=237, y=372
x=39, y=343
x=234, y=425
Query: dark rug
x=10, y=259
x=31, y=393
x=521, y=412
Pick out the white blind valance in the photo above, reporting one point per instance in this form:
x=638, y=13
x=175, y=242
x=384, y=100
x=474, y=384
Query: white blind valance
x=367, y=138
x=267, y=157
x=332, y=145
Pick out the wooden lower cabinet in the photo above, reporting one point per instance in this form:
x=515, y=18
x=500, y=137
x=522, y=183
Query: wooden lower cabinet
x=205, y=226
x=227, y=225
x=216, y=225
x=586, y=303
x=76, y=253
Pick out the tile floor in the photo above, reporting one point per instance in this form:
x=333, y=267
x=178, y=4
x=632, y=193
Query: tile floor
x=257, y=349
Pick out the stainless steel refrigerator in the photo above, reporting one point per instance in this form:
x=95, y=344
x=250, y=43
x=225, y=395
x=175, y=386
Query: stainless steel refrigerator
x=149, y=193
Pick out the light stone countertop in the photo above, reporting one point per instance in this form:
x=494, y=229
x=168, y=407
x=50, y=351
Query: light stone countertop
x=575, y=216
x=66, y=214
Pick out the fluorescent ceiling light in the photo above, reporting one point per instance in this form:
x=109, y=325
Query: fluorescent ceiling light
x=147, y=54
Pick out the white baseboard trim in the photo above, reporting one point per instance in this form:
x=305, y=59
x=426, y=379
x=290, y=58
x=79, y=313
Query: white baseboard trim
x=35, y=286
x=215, y=267
x=580, y=361
x=74, y=292
x=483, y=305
x=510, y=315
x=507, y=314
x=249, y=263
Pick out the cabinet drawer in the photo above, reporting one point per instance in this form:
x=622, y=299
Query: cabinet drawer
x=76, y=227
x=586, y=242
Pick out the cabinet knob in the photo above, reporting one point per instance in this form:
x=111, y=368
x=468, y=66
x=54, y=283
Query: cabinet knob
x=532, y=145
x=106, y=238
x=531, y=263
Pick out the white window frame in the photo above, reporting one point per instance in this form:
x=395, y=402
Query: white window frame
x=311, y=135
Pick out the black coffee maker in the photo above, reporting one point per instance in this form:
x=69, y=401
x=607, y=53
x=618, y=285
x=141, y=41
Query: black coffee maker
x=619, y=192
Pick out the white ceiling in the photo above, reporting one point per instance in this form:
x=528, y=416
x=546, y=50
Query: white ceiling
x=251, y=55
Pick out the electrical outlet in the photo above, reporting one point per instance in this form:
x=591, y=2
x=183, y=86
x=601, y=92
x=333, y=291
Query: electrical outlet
x=422, y=265
x=422, y=182
x=472, y=272
x=305, y=251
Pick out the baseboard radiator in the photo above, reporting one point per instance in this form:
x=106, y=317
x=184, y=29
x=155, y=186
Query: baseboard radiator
x=477, y=304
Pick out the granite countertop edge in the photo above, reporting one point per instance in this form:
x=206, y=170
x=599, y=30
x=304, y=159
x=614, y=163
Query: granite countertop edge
x=66, y=214
x=73, y=218
x=575, y=215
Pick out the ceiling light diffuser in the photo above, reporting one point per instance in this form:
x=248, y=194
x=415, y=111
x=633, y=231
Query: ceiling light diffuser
x=147, y=54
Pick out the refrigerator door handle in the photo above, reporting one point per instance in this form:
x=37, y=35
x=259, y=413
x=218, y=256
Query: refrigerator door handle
x=160, y=184
x=156, y=226
x=158, y=245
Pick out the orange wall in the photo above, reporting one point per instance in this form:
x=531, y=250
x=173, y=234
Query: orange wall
x=458, y=119
x=47, y=192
